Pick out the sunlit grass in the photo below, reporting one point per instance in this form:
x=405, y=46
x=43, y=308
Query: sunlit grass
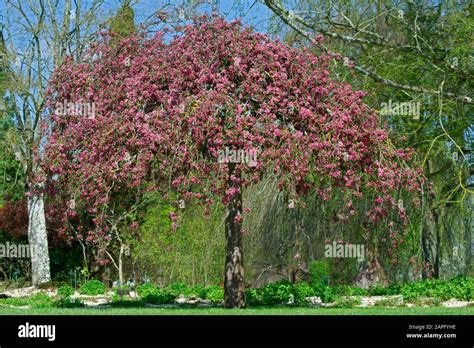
x=247, y=311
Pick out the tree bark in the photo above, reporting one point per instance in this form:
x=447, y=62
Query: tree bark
x=234, y=289
x=430, y=244
x=38, y=240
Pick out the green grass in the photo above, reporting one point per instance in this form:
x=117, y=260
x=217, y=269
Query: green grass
x=248, y=311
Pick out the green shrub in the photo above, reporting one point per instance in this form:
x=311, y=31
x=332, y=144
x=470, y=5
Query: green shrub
x=65, y=291
x=92, y=287
x=274, y=294
x=277, y=293
x=283, y=292
x=40, y=300
x=378, y=291
x=214, y=294
x=326, y=293
x=253, y=297
x=461, y=288
x=67, y=302
x=150, y=293
x=144, y=290
x=120, y=302
x=319, y=272
x=178, y=289
x=197, y=291
x=346, y=290
x=302, y=290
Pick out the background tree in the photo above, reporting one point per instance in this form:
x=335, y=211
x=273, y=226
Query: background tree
x=411, y=52
x=122, y=24
x=37, y=37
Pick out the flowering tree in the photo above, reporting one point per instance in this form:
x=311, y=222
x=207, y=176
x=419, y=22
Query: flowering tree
x=205, y=115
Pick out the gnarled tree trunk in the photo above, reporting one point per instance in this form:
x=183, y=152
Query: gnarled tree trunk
x=234, y=289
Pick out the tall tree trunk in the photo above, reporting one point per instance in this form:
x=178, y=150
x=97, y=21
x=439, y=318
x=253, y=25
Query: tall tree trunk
x=38, y=240
x=234, y=289
x=430, y=243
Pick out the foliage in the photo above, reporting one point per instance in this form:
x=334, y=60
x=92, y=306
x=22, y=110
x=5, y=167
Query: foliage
x=179, y=289
x=150, y=293
x=302, y=290
x=191, y=254
x=214, y=294
x=38, y=300
x=122, y=24
x=92, y=287
x=319, y=272
x=144, y=290
x=344, y=302
x=389, y=302
x=280, y=293
x=65, y=291
x=326, y=293
x=347, y=290
x=68, y=302
x=460, y=287
x=14, y=219
x=197, y=291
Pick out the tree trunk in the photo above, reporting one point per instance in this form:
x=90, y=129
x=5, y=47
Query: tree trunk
x=38, y=240
x=120, y=267
x=430, y=242
x=234, y=291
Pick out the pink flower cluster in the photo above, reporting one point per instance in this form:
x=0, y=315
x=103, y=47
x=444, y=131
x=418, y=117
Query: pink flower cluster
x=165, y=109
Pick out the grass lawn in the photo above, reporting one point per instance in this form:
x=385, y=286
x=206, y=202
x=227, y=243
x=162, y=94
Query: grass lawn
x=248, y=311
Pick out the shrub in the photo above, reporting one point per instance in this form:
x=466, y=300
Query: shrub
x=40, y=300
x=302, y=290
x=326, y=293
x=253, y=297
x=283, y=292
x=197, y=291
x=65, y=291
x=214, y=294
x=346, y=290
x=277, y=293
x=68, y=302
x=92, y=287
x=178, y=289
x=154, y=295
x=119, y=301
x=145, y=290
x=319, y=272
x=461, y=288
x=378, y=291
